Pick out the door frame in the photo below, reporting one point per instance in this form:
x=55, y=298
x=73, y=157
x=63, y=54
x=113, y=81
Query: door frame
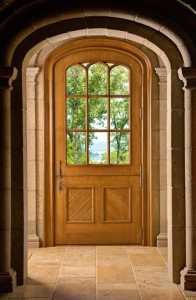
x=146, y=147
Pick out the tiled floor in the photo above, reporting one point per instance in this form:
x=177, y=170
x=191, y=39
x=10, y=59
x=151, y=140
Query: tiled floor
x=102, y=272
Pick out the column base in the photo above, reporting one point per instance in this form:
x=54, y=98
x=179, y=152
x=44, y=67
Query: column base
x=162, y=240
x=33, y=241
x=188, y=279
x=7, y=281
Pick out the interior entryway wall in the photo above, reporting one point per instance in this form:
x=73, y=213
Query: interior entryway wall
x=35, y=153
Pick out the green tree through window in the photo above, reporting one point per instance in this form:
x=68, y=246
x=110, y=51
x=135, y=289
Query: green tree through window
x=97, y=113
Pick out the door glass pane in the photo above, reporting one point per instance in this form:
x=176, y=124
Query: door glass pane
x=119, y=81
x=97, y=147
x=76, y=111
x=109, y=64
x=119, y=113
x=97, y=79
x=119, y=148
x=97, y=109
x=76, y=148
x=85, y=64
x=76, y=81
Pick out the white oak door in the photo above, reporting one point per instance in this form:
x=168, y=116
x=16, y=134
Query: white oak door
x=97, y=140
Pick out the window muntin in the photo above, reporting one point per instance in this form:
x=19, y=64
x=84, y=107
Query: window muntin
x=98, y=114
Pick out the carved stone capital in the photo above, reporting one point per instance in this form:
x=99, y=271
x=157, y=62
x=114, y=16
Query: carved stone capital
x=31, y=74
x=7, y=76
x=188, y=279
x=188, y=76
x=7, y=281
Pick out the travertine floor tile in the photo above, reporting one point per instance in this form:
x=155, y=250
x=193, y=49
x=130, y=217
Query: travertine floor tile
x=163, y=251
x=115, y=274
x=109, y=260
x=79, y=259
x=116, y=286
x=74, y=289
x=30, y=252
x=38, y=274
x=47, y=257
x=73, y=249
x=67, y=272
x=101, y=273
x=118, y=294
x=33, y=291
x=157, y=291
x=190, y=295
x=141, y=249
x=146, y=259
x=119, y=250
x=151, y=275
x=79, y=263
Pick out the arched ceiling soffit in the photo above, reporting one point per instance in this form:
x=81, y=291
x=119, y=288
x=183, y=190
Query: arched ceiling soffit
x=154, y=54
x=37, y=21
x=161, y=45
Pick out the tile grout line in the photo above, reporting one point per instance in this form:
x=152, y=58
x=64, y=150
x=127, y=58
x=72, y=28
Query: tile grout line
x=58, y=273
x=162, y=257
x=134, y=275
x=96, y=296
x=181, y=290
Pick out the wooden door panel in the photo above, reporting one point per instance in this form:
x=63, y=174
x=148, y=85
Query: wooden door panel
x=79, y=205
x=114, y=205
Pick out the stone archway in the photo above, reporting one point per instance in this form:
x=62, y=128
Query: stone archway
x=14, y=50
x=159, y=188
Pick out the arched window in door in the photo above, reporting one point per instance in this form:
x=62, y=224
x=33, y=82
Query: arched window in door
x=98, y=106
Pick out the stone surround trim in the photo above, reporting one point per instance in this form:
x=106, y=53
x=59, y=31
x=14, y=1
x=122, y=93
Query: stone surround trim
x=162, y=75
x=31, y=74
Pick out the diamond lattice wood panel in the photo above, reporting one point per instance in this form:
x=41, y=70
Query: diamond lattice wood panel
x=116, y=204
x=79, y=204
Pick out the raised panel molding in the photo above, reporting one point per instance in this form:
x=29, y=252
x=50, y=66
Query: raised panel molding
x=79, y=205
x=117, y=204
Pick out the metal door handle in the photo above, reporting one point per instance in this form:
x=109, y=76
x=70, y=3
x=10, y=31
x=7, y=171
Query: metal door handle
x=60, y=183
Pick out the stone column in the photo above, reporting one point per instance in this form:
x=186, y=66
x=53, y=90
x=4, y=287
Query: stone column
x=175, y=176
x=33, y=239
x=162, y=74
x=188, y=274
x=7, y=274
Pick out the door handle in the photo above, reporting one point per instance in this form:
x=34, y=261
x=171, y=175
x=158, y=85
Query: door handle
x=60, y=183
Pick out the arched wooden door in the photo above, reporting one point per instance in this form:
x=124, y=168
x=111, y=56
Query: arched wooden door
x=97, y=147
